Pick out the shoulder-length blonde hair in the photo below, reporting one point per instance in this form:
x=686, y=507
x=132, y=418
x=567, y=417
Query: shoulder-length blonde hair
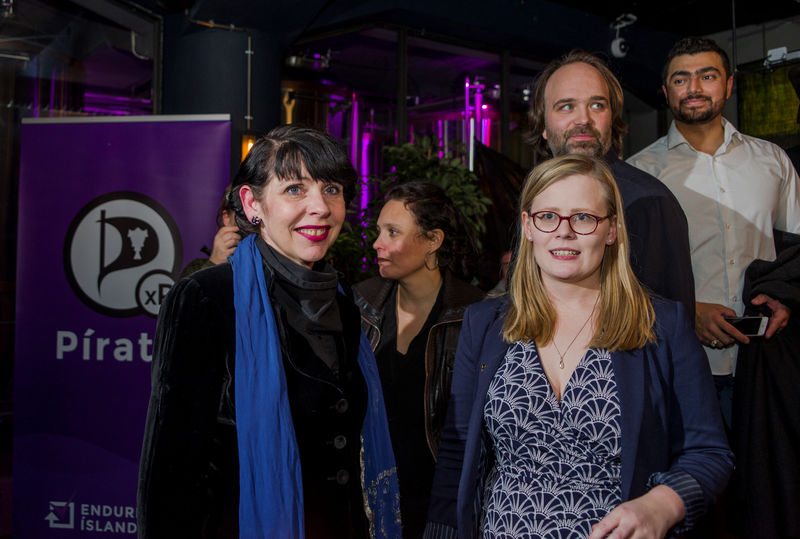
x=625, y=313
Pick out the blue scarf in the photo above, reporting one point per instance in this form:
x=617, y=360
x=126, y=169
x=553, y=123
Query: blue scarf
x=270, y=478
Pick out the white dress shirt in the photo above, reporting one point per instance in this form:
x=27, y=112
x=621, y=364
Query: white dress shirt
x=732, y=199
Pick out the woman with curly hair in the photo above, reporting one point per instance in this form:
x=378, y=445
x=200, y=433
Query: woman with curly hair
x=412, y=315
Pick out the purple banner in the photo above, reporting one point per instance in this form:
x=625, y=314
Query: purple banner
x=109, y=213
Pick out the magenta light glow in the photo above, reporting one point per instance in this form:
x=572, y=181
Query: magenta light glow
x=336, y=120
x=354, y=131
x=478, y=113
x=364, y=171
x=466, y=108
x=485, y=130
x=118, y=99
x=440, y=137
x=115, y=105
x=106, y=111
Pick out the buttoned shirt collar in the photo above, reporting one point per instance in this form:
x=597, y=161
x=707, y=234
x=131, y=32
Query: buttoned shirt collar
x=676, y=138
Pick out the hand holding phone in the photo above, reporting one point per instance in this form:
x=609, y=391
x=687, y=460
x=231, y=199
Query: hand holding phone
x=750, y=326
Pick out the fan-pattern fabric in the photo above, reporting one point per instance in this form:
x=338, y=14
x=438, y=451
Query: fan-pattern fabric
x=557, y=464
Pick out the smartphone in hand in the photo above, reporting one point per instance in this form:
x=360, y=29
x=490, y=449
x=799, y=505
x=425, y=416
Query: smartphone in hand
x=750, y=326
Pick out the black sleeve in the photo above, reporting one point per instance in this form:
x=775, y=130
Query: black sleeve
x=195, y=265
x=442, y=514
x=660, y=253
x=182, y=477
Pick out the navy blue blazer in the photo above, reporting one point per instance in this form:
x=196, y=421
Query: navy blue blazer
x=670, y=415
x=658, y=233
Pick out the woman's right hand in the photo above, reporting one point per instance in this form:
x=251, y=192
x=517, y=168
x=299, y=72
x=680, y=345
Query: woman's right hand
x=649, y=516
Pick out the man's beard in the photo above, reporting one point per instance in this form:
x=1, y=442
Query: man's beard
x=560, y=144
x=697, y=115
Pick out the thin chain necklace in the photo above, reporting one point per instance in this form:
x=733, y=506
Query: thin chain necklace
x=560, y=355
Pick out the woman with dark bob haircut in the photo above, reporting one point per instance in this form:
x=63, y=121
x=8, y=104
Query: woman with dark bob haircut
x=412, y=315
x=266, y=416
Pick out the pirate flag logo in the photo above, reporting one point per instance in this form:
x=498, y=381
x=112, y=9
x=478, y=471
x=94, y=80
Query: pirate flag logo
x=121, y=254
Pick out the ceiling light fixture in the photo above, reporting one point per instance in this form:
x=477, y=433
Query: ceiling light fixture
x=619, y=45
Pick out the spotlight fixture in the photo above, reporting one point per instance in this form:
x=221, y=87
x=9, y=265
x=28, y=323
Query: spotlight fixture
x=619, y=45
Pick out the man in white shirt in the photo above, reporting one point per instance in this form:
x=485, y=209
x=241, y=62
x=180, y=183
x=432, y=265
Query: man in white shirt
x=734, y=190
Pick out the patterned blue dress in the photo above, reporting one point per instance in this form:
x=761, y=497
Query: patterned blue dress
x=557, y=464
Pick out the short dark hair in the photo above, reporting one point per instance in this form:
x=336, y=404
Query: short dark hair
x=695, y=45
x=432, y=209
x=282, y=153
x=536, y=114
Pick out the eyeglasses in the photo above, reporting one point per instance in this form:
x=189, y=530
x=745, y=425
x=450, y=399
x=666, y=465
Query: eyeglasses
x=580, y=223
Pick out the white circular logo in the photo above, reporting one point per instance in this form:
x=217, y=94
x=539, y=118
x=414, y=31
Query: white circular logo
x=121, y=254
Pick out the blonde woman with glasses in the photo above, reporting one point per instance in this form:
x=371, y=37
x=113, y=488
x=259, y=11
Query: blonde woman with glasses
x=581, y=406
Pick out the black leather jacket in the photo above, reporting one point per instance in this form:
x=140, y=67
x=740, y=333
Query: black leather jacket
x=371, y=296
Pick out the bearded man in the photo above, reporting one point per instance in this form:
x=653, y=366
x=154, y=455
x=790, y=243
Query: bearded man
x=734, y=188
x=577, y=108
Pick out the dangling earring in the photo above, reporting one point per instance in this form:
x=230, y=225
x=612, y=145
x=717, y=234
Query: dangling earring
x=435, y=259
x=255, y=220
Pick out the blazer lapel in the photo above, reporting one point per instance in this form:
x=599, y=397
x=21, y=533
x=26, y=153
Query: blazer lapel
x=491, y=355
x=494, y=350
x=629, y=374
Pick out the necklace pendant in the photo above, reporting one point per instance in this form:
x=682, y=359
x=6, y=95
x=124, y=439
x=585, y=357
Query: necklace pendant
x=561, y=363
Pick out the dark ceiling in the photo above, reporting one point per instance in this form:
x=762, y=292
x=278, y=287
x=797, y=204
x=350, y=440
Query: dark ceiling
x=448, y=39
x=691, y=17
x=532, y=31
x=680, y=17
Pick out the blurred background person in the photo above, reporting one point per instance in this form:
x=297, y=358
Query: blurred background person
x=500, y=287
x=225, y=240
x=411, y=315
x=266, y=417
x=505, y=263
x=580, y=406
